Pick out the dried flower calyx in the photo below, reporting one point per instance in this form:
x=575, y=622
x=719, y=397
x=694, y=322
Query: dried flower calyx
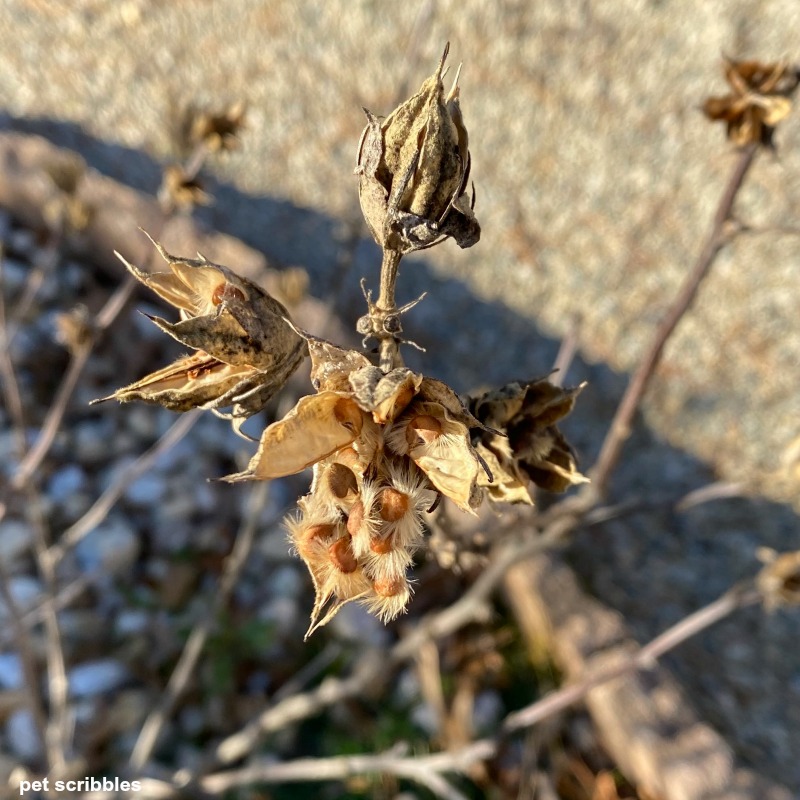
x=779, y=579
x=244, y=348
x=383, y=446
x=533, y=449
x=759, y=100
x=414, y=170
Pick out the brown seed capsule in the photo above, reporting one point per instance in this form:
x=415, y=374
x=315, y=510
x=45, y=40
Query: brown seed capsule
x=389, y=587
x=342, y=481
x=423, y=428
x=381, y=545
x=341, y=553
x=312, y=535
x=394, y=505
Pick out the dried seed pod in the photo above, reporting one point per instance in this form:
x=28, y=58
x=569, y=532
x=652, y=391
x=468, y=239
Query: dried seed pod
x=316, y=427
x=231, y=322
x=441, y=448
x=385, y=396
x=413, y=171
x=530, y=447
x=758, y=101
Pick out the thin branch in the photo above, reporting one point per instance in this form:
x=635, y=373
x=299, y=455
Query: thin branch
x=644, y=658
x=33, y=459
x=718, y=237
x=179, y=680
x=22, y=638
x=103, y=505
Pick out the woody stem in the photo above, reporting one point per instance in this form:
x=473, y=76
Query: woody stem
x=386, y=307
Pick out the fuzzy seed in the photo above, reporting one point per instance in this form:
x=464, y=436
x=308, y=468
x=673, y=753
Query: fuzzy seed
x=356, y=518
x=389, y=587
x=312, y=534
x=394, y=504
x=381, y=545
x=423, y=428
x=341, y=553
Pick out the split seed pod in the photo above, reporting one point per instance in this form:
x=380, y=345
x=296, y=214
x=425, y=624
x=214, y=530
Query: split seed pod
x=414, y=169
x=245, y=349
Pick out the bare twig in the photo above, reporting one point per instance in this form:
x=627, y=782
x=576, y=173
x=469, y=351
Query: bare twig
x=179, y=680
x=55, y=415
x=103, y=505
x=719, y=235
x=644, y=658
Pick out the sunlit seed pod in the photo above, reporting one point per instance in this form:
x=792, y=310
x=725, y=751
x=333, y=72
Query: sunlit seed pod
x=342, y=556
x=393, y=504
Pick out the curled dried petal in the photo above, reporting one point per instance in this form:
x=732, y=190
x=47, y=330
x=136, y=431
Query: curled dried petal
x=316, y=427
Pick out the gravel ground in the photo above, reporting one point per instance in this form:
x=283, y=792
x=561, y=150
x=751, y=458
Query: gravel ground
x=596, y=180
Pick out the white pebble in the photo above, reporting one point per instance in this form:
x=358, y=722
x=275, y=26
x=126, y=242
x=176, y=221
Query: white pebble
x=11, y=676
x=22, y=736
x=112, y=547
x=96, y=677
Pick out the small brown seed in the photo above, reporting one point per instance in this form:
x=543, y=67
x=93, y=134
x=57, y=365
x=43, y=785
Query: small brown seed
x=423, y=429
x=342, y=480
x=226, y=291
x=312, y=534
x=348, y=414
x=394, y=504
x=389, y=587
x=381, y=545
x=342, y=557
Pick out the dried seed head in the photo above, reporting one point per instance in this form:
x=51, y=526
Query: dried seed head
x=246, y=350
x=523, y=443
x=413, y=171
x=759, y=100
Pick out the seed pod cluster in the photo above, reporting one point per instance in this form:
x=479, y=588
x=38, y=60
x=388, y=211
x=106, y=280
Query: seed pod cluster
x=759, y=99
x=244, y=348
x=521, y=443
x=382, y=447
